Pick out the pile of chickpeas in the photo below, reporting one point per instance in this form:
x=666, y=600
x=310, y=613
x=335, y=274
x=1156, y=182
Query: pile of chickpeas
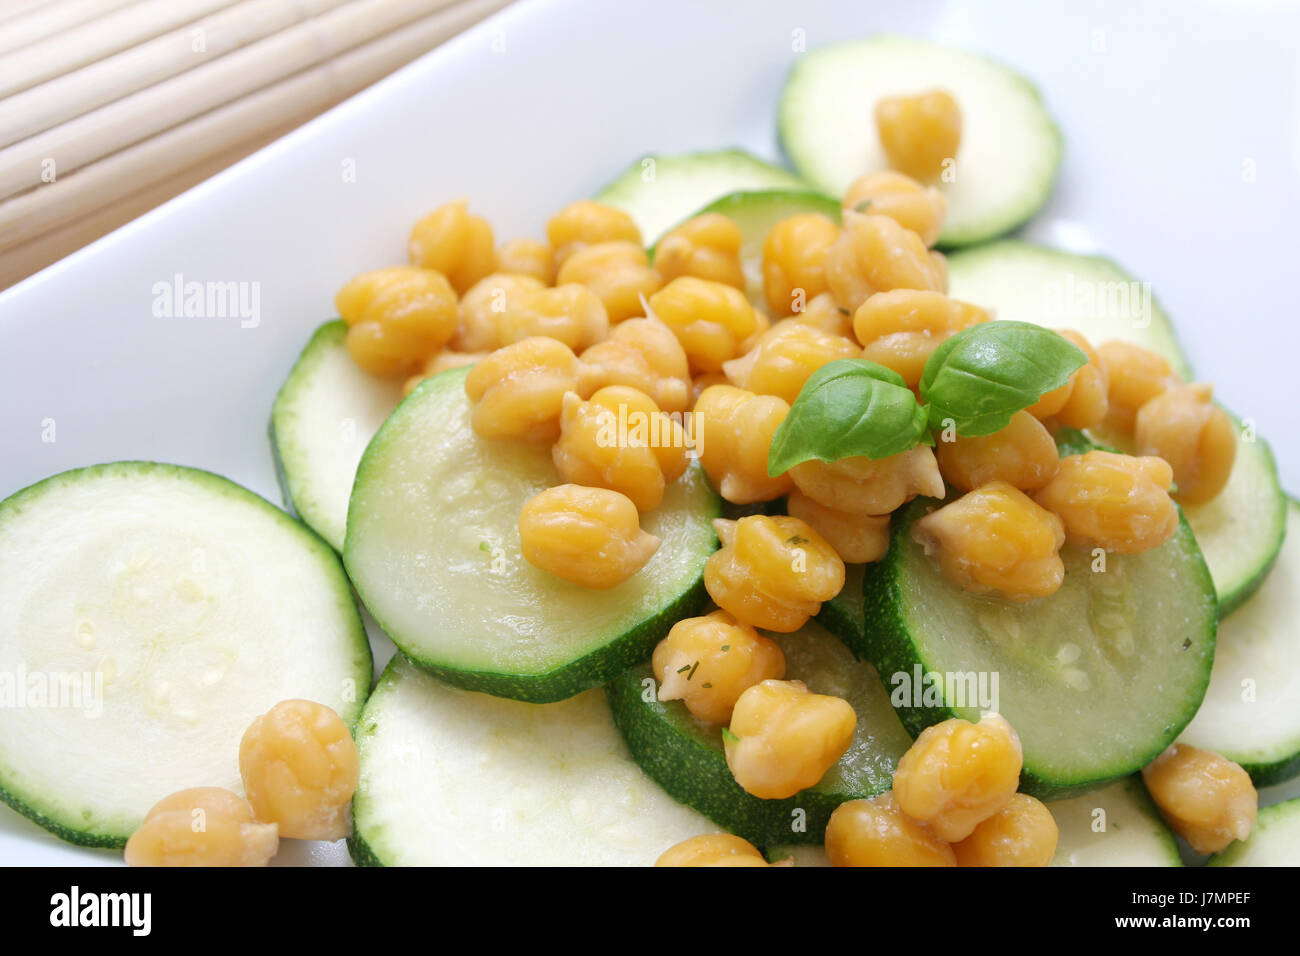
x=299, y=767
x=564, y=334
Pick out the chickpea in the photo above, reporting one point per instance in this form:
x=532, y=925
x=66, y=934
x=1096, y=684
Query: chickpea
x=588, y=223
x=856, y=538
x=733, y=430
x=1134, y=376
x=1023, y=454
x=762, y=325
x=590, y=536
x=455, y=243
x=708, y=662
x=205, y=826
x=704, y=381
x=1185, y=428
x=714, y=849
x=871, y=486
x=519, y=389
x=821, y=312
x=570, y=313
x=645, y=355
x=1117, y=502
x=482, y=308
x=919, y=133
x=901, y=328
x=794, y=261
x=875, y=254
x=710, y=319
x=875, y=832
x=442, y=360
x=996, y=540
x=901, y=198
x=772, y=572
x=1081, y=402
x=705, y=247
x=527, y=257
x=637, y=459
x=396, y=318
x=618, y=272
x=1206, y=799
x=957, y=774
x=1022, y=833
x=784, y=357
x=300, y=768
x=783, y=738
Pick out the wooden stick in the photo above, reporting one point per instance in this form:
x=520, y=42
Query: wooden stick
x=93, y=41
x=150, y=111
x=32, y=256
x=289, y=101
x=51, y=18
x=73, y=94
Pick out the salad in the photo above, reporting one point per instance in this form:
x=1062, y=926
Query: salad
x=753, y=516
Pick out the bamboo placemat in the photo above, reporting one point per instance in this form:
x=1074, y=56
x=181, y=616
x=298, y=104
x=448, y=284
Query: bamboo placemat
x=110, y=107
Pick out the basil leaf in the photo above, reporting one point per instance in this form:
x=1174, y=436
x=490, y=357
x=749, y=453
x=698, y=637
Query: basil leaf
x=847, y=408
x=984, y=374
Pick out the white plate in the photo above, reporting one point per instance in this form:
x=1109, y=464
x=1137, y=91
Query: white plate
x=1182, y=161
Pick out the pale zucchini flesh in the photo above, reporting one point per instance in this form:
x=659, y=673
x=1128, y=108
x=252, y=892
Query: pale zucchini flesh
x=156, y=610
x=659, y=191
x=454, y=778
x=324, y=416
x=1010, y=149
x=1097, y=679
x=433, y=549
x=1251, y=712
x=1275, y=840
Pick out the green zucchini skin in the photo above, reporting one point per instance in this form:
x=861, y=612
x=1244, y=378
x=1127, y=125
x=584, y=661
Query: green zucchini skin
x=693, y=770
x=561, y=683
x=888, y=644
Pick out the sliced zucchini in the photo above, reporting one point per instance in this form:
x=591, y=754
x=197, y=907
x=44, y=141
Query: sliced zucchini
x=454, y=778
x=1275, y=841
x=686, y=756
x=756, y=212
x=1097, y=679
x=1116, y=826
x=1241, y=530
x=660, y=191
x=843, y=615
x=1010, y=148
x=324, y=416
x=433, y=550
x=148, y=613
x=1250, y=713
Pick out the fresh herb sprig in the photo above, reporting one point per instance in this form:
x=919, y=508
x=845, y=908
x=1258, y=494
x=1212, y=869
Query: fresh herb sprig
x=974, y=382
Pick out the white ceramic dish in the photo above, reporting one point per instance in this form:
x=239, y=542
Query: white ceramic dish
x=1182, y=162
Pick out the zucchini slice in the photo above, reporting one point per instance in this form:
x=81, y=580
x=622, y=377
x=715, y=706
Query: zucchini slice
x=433, y=550
x=148, y=613
x=660, y=191
x=756, y=212
x=1010, y=149
x=1275, y=841
x=1240, y=531
x=324, y=416
x=686, y=756
x=1115, y=826
x=1097, y=679
x=1251, y=712
x=450, y=777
